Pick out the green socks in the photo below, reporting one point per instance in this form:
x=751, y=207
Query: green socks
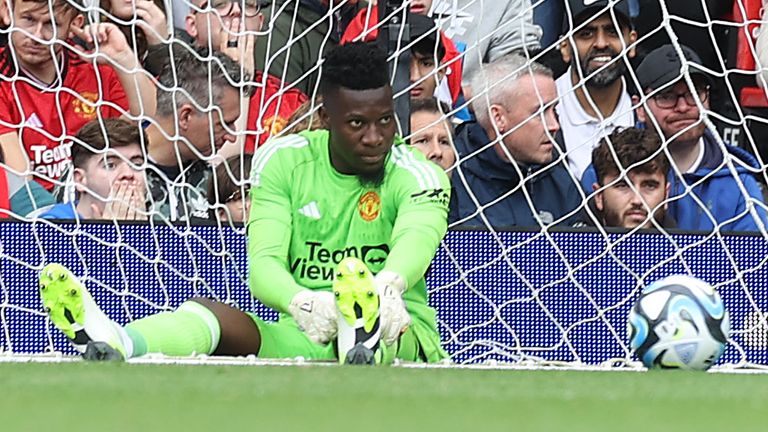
x=191, y=329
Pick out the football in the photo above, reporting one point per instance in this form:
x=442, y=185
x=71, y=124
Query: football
x=678, y=322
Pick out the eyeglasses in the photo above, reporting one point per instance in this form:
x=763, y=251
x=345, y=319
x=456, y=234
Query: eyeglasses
x=227, y=7
x=237, y=195
x=668, y=99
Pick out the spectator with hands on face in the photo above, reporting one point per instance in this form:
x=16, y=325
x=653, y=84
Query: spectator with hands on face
x=110, y=182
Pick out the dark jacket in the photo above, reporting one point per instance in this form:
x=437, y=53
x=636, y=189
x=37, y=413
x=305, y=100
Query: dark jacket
x=552, y=190
x=715, y=187
x=179, y=195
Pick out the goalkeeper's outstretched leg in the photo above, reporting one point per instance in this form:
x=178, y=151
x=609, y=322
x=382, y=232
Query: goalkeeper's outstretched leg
x=204, y=326
x=199, y=326
x=73, y=311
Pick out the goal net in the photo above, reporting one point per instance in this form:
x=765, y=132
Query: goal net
x=538, y=294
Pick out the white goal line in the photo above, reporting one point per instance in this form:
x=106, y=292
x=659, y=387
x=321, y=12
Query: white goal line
x=204, y=360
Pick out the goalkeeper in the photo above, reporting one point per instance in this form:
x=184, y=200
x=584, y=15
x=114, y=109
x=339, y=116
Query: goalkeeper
x=354, y=190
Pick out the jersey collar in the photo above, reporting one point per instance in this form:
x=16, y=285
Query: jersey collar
x=62, y=64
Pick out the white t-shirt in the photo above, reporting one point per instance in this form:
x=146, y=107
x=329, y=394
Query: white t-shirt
x=583, y=132
x=699, y=158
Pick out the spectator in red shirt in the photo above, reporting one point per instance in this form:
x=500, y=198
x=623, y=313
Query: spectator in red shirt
x=47, y=91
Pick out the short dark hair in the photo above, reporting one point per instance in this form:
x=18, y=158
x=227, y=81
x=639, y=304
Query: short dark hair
x=354, y=66
x=426, y=48
x=630, y=145
x=426, y=33
x=227, y=181
x=99, y=134
x=195, y=76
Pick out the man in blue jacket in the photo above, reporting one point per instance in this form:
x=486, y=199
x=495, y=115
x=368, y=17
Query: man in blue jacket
x=507, y=156
x=712, y=186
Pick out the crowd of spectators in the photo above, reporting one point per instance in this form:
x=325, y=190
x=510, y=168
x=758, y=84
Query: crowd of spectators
x=542, y=112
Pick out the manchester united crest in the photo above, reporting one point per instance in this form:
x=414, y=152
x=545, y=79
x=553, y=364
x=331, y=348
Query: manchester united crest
x=369, y=206
x=274, y=125
x=85, y=105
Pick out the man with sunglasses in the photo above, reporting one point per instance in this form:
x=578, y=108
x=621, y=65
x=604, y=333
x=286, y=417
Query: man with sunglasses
x=231, y=27
x=708, y=178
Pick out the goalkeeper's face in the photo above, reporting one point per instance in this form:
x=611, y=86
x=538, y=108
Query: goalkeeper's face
x=362, y=130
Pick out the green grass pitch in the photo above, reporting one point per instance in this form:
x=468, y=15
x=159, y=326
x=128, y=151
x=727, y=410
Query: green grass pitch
x=127, y=397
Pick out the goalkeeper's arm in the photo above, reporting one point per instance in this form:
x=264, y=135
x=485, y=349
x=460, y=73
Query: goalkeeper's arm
x=272, y=283
x=415, y=238
x=422, y=219
x=269, y=238
x=421, y=223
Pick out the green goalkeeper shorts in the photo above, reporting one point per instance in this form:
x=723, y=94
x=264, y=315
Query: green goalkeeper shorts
x=283, y=339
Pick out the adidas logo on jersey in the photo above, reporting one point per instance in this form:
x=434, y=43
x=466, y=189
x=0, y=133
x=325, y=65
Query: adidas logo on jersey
x=34, y=121
x=311, y=210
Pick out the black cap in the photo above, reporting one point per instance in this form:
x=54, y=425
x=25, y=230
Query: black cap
x=423, y=25
x=584, y=10
x=662, y=66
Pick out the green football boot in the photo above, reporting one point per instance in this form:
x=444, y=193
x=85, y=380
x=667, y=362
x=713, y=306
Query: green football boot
x=358, y=303
x=72, y=310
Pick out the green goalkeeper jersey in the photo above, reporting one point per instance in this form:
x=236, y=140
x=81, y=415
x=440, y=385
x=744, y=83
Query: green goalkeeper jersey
x=306, y=217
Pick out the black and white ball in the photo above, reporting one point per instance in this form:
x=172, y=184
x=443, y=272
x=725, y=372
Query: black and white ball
x=679, y=322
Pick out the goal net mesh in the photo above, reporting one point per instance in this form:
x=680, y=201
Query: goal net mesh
x=540, y=295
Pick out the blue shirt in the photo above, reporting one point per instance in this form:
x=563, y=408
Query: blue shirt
x=62, y=211
x=715, y=187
